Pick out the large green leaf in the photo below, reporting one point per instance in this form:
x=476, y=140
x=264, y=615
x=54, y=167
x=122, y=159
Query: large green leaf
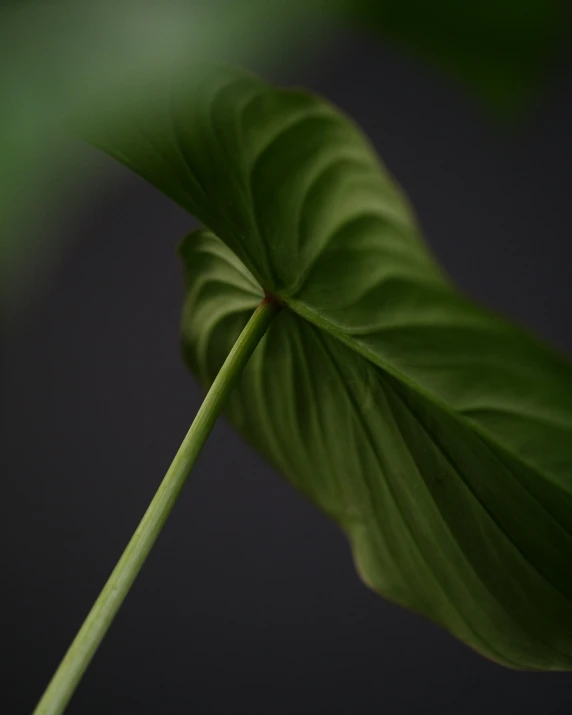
x=437, y=435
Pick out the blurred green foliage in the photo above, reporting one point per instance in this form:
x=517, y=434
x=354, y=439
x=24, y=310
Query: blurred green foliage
x=498, y=48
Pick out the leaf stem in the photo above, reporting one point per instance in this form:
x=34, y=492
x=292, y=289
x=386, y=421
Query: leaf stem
x=95, y=626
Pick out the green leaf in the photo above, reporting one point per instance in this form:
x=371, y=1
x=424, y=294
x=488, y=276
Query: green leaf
x=435, y=434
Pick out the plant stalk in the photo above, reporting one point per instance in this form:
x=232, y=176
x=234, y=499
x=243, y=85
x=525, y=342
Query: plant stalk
x=95, y=626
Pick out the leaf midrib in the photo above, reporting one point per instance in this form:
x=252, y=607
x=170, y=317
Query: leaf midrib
x=437, y=580
x=356, y=346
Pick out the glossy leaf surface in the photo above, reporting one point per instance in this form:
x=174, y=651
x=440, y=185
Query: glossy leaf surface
x=436, y=434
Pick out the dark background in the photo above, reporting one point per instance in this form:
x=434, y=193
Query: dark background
x=249, y=602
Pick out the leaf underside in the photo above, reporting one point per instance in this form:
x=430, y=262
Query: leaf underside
x=436, y=434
